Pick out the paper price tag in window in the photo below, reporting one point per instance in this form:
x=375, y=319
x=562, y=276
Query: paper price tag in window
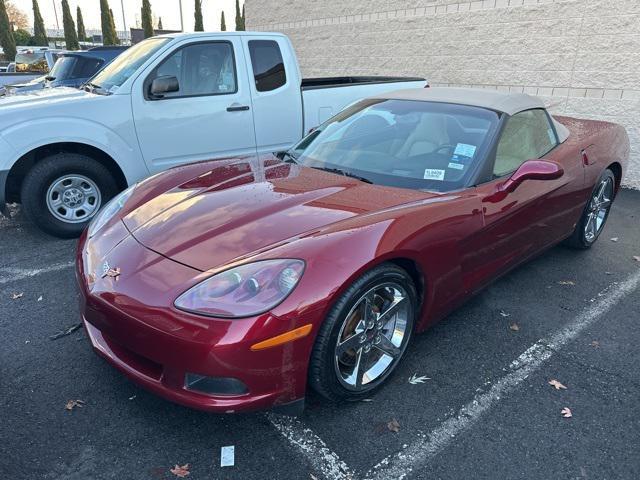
x=465, y=150
x=433, y=174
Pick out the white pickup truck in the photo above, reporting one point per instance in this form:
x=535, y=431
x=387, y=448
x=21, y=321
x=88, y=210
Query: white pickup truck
x=166, y=101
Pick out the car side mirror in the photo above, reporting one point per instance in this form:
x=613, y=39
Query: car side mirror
x=164, y=84
x=532, y=170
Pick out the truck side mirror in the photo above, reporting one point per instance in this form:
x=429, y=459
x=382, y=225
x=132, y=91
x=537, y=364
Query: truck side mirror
x=164, y=84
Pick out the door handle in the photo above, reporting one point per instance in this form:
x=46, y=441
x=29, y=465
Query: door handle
x=237, y=108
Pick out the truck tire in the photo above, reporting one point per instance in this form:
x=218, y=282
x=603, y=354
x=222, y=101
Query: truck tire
x=63, y=192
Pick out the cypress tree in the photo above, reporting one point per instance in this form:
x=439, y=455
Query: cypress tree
x=70, y=36
x=223, y=24
x=106, y=24
x=199, y=26
x=116, y=40
x=39, y=32
x=82, y=34
x=7, y=41
x=160, y=23
x=244, y=25
x=147, y=21
x=238, y=17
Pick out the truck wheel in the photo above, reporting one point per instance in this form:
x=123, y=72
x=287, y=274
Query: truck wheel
x=63, y=192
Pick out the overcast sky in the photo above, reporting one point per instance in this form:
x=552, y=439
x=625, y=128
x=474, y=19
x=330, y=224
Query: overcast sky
x=168, y=10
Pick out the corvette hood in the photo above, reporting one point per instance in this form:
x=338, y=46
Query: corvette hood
x=242, y=208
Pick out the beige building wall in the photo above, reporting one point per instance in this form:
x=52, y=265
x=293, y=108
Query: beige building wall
x=581, y=56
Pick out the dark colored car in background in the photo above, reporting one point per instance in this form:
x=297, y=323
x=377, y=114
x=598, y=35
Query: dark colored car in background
x=72, y=69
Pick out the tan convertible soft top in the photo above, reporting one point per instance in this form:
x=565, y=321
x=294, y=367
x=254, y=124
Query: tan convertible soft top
x=507, y=102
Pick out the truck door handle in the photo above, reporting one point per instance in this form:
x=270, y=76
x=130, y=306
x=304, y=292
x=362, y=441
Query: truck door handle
x=237, y=108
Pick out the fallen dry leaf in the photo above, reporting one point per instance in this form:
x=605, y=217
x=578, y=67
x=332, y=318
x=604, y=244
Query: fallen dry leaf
x=15, y=296
x=71, y=404
x=514, y=327
x=394, y=426
x=558, y=386
x=414, y=379
x=68, y=331
x=614, y=239
x=566, y=282
x=595, y=344
x=180, y=471
x=566, y=412
x=504, y=314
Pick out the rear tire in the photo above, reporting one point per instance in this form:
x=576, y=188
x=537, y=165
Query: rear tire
x=63, y=192
x=349, y=359
x=595, y=214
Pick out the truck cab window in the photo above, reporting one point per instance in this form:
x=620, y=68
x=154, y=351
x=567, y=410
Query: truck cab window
x=201, y=69
x=268, y=66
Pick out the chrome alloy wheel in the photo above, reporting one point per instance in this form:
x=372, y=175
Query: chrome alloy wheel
x=73, y=198
x=373, y=336
x=598, y=209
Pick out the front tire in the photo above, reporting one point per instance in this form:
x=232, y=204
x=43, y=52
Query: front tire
x=63, y=192
x=595, y=214
x=365, y=335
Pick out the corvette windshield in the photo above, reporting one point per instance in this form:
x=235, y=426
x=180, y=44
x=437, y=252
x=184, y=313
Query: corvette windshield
x=402, y=143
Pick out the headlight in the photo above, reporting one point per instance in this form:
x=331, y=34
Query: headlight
x=109, y=210
x=243, y=291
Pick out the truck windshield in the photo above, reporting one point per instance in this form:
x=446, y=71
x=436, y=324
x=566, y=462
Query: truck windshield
x=31, y=62
x=125, y=65
x=402, y=143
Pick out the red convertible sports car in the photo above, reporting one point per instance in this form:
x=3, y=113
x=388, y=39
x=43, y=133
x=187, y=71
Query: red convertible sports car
x=234, y=285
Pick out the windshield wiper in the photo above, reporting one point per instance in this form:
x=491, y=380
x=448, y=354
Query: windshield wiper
x=95, y=88
x=290, y=156
x=344, y=173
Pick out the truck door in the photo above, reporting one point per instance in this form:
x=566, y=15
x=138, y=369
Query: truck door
x=208, y=117
x=275, y=91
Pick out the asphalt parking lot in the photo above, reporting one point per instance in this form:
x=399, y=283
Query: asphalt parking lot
x=484, y=410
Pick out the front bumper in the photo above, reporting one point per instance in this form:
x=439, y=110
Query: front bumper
x=132, y=323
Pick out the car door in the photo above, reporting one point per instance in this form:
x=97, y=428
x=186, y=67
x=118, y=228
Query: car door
x=210, y=114
x=518, y=224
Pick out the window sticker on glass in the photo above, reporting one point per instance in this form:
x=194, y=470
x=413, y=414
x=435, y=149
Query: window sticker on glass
x=463, y=152
x=457, y=166
x=433, y=174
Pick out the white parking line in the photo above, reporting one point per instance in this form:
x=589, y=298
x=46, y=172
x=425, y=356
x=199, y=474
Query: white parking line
x=322, y=459
x=416, y=455
x=10, y=274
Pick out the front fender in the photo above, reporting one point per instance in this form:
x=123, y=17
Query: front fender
x=125, y=151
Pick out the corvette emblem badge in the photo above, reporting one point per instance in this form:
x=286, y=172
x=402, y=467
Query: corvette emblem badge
x=107, y=271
